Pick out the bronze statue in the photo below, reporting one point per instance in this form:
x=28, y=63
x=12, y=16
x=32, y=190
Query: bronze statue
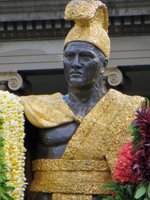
x=78, y=135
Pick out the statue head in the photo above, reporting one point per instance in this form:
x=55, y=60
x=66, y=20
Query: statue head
x=87, y=45
x=84, y=64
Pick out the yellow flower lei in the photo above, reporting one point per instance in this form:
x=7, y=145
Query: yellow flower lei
x=13, y=129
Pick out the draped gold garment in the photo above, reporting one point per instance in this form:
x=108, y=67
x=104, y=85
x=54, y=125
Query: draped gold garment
x=91, y=154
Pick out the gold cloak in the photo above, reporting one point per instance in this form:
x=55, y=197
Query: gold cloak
x=90, y=156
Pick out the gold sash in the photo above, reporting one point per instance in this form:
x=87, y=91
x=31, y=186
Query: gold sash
x=70, y=177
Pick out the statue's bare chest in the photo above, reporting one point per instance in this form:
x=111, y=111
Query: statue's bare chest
x=51, y=142
x=58, y=135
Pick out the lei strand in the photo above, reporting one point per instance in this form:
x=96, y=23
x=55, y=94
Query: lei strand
x=13, y=129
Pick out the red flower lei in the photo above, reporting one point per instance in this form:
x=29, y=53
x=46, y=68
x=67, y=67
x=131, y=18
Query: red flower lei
x=124, y=172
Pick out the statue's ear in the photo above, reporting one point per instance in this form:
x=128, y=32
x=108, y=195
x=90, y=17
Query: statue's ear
x=105, y=62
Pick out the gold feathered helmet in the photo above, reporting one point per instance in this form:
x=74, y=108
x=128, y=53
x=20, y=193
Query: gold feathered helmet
x=91, y=23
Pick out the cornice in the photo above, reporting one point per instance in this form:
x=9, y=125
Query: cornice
x=28, y=10
x=128, y=7
x=53, y=29
x=124, y=3
x=31, y=10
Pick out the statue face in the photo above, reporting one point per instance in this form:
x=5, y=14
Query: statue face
x=83, y=63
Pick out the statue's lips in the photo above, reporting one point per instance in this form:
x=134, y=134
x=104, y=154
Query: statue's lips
x=75, y=73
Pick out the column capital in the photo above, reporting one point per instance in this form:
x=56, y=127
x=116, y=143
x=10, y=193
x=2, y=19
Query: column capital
x=12, y=80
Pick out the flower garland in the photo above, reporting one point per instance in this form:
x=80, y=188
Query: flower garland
x=14, y=152
x=124, y=172
x=5, y=189
x=131, y=178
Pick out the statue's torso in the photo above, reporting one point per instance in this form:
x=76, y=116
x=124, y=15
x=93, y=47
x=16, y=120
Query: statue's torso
x=51, y=144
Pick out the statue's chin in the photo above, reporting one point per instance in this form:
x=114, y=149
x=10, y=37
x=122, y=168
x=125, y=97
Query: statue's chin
x=80, y=85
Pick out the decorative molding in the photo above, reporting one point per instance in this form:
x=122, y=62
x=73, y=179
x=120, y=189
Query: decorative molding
x=129, y=25
x=52, y=29
x=41, y=29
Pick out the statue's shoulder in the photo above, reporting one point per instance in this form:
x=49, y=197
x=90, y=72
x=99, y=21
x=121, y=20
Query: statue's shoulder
x=45, y=111
x=40, y=98
x=119, y=97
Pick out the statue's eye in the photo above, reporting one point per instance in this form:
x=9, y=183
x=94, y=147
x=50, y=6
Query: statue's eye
x=69, y=55
x=87, y=56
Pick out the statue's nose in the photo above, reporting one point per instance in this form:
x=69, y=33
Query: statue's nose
x=76, y=62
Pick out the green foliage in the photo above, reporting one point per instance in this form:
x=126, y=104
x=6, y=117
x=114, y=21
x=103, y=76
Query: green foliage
x=135, y=132
x=128, y=192
x=121, y=192
x=147, y=102
x=5, y=189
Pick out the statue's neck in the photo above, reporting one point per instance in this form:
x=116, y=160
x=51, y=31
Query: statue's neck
x=83, y=95
x=81, y=100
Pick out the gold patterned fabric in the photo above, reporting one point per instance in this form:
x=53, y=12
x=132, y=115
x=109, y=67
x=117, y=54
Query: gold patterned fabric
x=60, y=196
x=45, y=111
x=104, y=129
x=69, y=176
x=91, y=23
x=91, y=154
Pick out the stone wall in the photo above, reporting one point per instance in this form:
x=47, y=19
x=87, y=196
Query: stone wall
x=128, y=7
x=31, y=9
x=54, y=9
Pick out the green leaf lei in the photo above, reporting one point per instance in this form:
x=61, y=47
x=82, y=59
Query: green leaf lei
x=5, y=189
